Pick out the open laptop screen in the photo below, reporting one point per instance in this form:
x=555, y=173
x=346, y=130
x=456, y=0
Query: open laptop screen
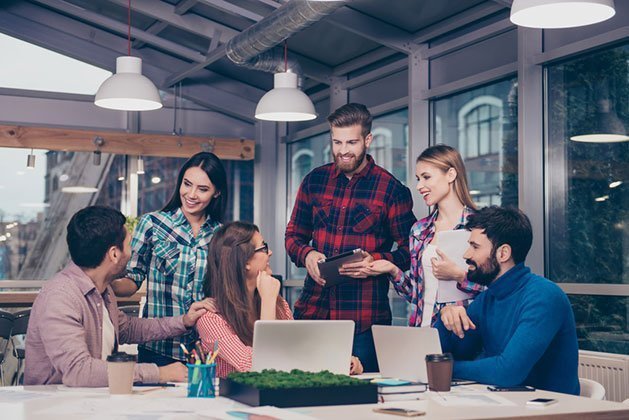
x=311, y=346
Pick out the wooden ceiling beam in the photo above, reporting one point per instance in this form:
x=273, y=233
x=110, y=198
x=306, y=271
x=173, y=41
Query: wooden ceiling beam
x=123, y=143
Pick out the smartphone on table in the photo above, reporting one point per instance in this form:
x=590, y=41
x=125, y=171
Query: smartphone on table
x=404, y=412
x=541, y=402
x=518, y=388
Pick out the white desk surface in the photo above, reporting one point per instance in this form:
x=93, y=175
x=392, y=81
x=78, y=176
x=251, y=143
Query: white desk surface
x=56, y=402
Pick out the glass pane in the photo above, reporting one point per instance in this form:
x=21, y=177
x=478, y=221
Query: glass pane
x=482, y=124
x=37, y=204
x=159, y=181
x=304, y=156
x=588, y=200
x=602, y=322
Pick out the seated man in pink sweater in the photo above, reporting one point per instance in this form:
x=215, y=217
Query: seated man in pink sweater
x=75, y=322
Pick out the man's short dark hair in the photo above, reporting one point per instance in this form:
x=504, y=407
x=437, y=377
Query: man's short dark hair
x=504, y=226
x=352, y=114
x=92, y=231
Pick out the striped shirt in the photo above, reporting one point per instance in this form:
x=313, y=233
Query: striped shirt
x=334, y=214
x=234, y=355
x=411, y=285
x=167, y=254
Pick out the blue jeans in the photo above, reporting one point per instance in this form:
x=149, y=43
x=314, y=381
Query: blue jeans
x=365, y=350
x=147, y=356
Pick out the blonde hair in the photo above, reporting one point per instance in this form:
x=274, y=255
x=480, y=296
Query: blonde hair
x=445, y=157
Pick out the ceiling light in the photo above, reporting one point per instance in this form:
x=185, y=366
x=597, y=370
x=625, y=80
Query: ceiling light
x=79, y=190
x=128, y=89
x=156, y=180
x=285, y=102
x=30, y=160
x=601, y=198
x=615, y=184
x=63, y=177
x=474, y=192
x=96, y=157
x=606, y=126
x=140, y=170
x=553, y=14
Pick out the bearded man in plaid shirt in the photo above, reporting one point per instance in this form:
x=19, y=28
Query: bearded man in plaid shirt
x=348, y=204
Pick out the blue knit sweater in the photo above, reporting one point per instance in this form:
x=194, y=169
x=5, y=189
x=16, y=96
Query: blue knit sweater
x=525, y=334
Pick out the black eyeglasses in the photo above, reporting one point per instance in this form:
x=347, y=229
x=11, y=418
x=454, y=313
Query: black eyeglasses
x=264, y=248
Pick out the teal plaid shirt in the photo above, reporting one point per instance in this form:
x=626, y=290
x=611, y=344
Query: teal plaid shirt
x=165, y=251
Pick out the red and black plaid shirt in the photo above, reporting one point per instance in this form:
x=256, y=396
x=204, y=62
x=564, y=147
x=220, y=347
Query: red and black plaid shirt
x=370, y=211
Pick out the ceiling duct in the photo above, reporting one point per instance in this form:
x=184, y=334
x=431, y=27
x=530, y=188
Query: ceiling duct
x=251, y=47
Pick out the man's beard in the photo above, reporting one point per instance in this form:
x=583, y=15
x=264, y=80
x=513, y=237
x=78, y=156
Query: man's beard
x=484, y=274
x=350, y=167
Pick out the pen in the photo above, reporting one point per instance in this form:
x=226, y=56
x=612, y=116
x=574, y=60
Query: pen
x=197, y=345
x=164, y=384
x=185, y=350
x=213, y=357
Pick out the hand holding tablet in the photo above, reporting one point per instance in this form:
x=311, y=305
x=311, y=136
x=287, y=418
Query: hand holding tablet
x=329, y=267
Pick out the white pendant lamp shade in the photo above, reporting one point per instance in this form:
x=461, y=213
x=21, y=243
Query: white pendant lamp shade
x=285, y=102
x=128, y=89
x=553, y=14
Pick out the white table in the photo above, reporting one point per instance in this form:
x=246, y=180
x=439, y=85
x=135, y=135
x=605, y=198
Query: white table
x=53, y=402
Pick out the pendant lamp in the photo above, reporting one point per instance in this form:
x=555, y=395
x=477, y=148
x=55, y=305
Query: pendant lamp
x=128, y=89
x=285, y=102
x=606, y=126
x=554, y=14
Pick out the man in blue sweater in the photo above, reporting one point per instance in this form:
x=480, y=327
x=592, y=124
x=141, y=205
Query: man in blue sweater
x=521, y=330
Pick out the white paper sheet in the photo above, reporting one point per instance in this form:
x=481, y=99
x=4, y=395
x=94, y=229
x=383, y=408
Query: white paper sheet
x=272, y=413
x=453, y=243
x=469, y=399
x=13, y=395
x=136, y=405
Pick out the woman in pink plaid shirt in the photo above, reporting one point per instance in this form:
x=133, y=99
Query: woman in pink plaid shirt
x=442, y=183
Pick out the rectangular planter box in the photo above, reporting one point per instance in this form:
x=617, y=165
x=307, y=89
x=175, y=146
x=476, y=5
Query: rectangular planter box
x=300, y=397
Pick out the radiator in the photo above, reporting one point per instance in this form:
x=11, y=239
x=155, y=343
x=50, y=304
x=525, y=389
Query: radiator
x=610, y=370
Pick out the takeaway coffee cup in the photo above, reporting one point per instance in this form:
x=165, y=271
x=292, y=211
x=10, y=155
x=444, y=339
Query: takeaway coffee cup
x=439, y=369
x=120, y=367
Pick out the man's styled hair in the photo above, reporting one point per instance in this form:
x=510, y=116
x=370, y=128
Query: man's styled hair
x=92, y=231
x=504, y=226
x=352, y=114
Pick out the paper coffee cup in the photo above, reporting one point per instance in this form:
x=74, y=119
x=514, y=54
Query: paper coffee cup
x=439, y=369
x=120, y=369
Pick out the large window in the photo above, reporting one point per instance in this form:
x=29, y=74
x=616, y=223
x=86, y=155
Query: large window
x=587, y=198
x=389, y=149
x=38, y=202
x=482, y=125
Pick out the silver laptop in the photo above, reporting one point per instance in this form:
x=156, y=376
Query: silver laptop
x=402, y=351
x=310, y=346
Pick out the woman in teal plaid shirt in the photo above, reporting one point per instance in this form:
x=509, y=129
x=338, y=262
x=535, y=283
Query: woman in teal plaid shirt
x=169, y=250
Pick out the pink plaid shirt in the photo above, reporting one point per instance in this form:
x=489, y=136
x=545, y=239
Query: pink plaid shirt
x=411, y=286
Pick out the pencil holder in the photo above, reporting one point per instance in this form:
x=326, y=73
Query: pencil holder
x=201, y=379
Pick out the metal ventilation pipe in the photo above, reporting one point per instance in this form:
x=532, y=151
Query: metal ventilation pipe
x=251, y=47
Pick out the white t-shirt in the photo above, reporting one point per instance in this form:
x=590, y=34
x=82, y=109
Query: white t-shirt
x=109, y=335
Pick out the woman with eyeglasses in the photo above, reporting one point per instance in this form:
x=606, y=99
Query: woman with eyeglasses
x=239, y=283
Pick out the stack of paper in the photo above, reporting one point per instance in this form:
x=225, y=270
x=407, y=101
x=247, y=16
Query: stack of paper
x=399, y=390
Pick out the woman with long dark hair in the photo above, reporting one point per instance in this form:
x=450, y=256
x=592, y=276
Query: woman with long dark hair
x=434, y=280
x=241, y=288
x=169, y=250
